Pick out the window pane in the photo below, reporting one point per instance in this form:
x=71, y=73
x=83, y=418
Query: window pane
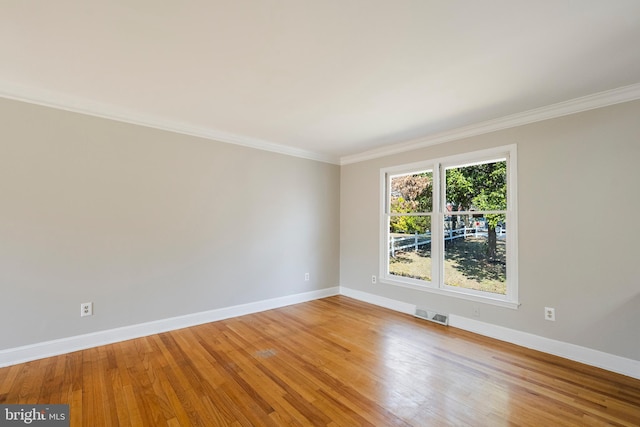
x=475, y=252
x=412, y=193
x=410, y=246
x=480, y=187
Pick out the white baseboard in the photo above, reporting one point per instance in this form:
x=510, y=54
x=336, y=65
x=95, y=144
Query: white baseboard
x=392, y=304
x=31, y=352
x=588, y=356
x=569, y=351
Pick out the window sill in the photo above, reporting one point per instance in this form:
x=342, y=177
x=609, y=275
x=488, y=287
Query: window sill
x=514, y=305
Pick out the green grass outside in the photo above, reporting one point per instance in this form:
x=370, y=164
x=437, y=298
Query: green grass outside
x=466, y=265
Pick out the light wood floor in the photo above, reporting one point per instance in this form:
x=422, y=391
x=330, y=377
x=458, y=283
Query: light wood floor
x=335, y=362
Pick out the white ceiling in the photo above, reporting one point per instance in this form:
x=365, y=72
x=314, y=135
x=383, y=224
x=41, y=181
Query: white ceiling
x=323, y=78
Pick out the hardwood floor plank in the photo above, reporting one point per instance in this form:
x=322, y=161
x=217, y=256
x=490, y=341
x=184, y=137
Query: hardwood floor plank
x=329, y=362
x=8, y=378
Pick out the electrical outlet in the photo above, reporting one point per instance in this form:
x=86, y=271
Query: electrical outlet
x=550, y=314
x=374, y=279
x=86, y=309
x=306, y=277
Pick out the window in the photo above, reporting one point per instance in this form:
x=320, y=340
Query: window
x=449, y=226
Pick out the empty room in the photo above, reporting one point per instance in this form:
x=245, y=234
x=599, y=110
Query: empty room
x=320, y=213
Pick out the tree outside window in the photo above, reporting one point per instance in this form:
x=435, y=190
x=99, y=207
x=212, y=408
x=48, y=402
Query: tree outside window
x=445, y=225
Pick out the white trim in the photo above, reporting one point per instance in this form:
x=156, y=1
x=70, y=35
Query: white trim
x=512, y=218
x=31, y=352
x=111, y=112
x=77, y=105
x=569, y=351
x=450, y=292
x=577, y=105
x=437, y=167
x=588, y=356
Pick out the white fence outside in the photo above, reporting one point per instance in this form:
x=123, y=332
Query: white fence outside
x=417, y=240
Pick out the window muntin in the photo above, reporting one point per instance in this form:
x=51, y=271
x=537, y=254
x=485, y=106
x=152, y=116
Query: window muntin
x=441, y=243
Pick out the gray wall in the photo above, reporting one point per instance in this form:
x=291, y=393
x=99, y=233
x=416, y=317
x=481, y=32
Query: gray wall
x=149, y=224
x=579, y=198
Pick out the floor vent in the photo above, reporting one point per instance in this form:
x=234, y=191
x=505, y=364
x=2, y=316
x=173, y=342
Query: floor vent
x=432, y=316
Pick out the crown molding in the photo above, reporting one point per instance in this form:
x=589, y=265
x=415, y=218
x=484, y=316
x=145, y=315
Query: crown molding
x=82, y=106
x=577, y=105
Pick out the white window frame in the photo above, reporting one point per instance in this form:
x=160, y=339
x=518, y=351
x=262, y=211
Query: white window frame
x=436, y=285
